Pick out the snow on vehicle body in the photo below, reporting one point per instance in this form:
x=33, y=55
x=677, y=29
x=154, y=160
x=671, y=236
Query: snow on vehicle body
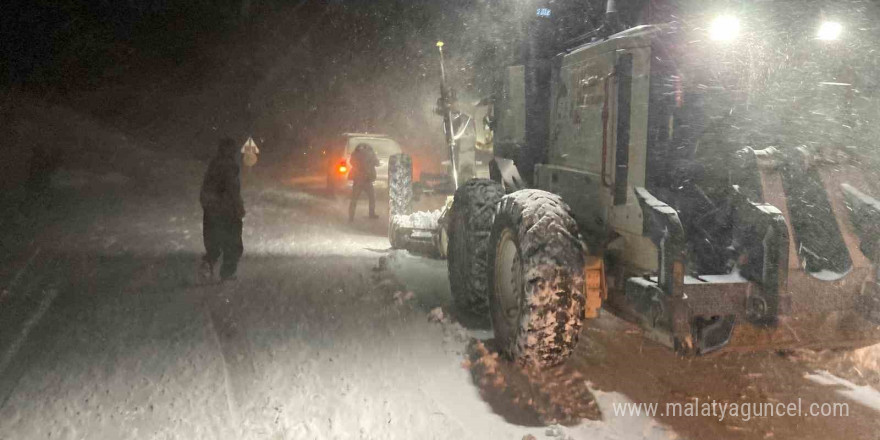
x=647, y=201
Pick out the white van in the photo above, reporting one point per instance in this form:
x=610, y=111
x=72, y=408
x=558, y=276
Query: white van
x=339, y=154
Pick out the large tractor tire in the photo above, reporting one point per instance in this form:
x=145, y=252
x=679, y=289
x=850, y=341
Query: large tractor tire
x=470, y=224
x=400, y=195
x=536, y=278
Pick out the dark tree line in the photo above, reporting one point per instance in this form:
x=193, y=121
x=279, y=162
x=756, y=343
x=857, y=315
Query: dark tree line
x=71, y=43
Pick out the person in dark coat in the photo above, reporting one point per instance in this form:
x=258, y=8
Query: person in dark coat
x=223, y=211
x=363, y=174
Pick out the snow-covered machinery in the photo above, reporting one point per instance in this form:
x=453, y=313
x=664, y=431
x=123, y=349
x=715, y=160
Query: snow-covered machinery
x=421, y=232
x=647, y=200
x=469, y=146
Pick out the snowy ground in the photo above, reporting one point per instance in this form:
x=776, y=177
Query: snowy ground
x=104, y=334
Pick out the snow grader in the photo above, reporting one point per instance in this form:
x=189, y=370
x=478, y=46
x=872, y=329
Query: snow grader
x=649, y=172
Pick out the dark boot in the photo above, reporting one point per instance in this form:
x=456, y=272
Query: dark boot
x=232, y=248
x=355, y=193
x=206, y=271
x=371, y=195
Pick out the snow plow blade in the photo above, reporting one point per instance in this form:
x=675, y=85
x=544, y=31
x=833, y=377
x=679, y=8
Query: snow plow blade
x=837, y=310
x=811, y=282
x=835, y=300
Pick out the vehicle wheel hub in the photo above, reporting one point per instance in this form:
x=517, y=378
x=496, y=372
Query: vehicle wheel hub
x=508, y=273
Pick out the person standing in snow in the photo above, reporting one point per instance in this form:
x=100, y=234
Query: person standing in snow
x=223, y=211
x=363, y=174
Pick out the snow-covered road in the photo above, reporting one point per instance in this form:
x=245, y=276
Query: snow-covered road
x=105, y=334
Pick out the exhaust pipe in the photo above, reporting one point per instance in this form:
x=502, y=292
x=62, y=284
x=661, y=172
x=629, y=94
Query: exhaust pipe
x=611, y=22
x=610, y=25
x=610, y=8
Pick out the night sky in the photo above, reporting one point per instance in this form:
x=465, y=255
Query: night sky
x=290, y=73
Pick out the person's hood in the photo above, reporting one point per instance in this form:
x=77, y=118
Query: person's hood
x=226, y=149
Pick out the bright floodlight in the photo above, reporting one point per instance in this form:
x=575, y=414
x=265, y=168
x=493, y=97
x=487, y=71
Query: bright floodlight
x=724, y=28
x=829, y=30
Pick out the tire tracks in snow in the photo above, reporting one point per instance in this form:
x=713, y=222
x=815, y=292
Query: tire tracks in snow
x=8, y=291
x=9, y=354
x=235, y=354
x=227, y=381
x=10, y=376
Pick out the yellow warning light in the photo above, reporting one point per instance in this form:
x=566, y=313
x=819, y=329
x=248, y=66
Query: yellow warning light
x=439, y=44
